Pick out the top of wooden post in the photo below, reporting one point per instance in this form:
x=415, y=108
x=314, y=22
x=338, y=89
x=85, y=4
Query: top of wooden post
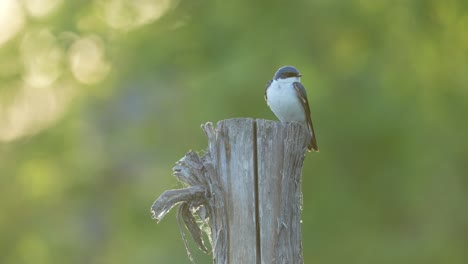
x=247, y=188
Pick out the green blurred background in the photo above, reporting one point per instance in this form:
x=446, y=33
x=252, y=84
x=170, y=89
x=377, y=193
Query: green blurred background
x=99, y=98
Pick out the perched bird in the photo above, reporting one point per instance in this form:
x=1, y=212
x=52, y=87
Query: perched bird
x=287, y=98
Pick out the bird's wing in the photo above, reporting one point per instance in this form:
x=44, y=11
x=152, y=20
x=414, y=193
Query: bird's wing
x=302, y=95
x=266, y=88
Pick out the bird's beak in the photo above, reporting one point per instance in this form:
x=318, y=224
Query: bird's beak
x=299, y=75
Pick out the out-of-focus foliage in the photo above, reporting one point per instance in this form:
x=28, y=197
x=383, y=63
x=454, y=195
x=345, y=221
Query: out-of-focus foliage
x=99, y=98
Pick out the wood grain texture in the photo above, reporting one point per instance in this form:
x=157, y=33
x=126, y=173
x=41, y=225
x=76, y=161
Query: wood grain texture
x=235, y=167
x=281, y=152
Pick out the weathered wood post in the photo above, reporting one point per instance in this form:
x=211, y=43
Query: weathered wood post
x=246, y=188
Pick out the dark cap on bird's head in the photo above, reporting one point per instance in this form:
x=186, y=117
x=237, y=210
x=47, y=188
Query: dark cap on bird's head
x=286, y=72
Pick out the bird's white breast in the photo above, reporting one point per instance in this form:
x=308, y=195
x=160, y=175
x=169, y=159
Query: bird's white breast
x=283, y=101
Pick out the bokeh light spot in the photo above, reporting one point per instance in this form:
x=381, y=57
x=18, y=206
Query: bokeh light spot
x=87, y=60
x=121, y=14
x=41, y=8
x=42, y=58
x=33, y=109
x=11, y=19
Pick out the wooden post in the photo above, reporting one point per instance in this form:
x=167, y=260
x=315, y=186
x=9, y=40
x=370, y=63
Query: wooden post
x=247, y=188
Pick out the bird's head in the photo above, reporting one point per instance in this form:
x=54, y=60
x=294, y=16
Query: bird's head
x=287, y=72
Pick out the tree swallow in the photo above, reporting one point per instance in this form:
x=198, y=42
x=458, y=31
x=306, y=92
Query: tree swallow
x=287, y=98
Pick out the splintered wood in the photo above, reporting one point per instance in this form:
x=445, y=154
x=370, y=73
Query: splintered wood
x=246, y=188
